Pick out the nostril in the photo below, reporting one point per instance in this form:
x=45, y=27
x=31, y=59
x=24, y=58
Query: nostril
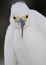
x=22, y=22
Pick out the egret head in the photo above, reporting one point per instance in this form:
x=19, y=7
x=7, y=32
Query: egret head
x=19, y=15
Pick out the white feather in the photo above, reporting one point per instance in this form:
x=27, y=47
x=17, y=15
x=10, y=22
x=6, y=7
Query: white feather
x=31, y=49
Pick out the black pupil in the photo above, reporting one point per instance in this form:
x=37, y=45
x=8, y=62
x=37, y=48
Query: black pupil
x=27, y=16
x=14, y=17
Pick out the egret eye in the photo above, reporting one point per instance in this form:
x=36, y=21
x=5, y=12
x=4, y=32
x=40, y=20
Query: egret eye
x=27, y=16
x=14, y=17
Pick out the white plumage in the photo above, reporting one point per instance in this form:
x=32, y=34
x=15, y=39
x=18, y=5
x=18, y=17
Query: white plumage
x=31, y=48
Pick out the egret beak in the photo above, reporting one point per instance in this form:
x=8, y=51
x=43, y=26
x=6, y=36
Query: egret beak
x=22, y=22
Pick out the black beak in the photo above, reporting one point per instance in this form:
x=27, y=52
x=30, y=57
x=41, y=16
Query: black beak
x=22, y=22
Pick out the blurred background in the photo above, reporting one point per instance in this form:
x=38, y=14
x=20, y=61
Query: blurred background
x=5, y=5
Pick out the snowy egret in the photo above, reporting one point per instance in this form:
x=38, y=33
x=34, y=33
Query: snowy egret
x=25, y=40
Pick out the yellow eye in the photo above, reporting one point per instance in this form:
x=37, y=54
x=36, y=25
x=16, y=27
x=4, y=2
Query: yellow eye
x=25, y=17
x=15, y=17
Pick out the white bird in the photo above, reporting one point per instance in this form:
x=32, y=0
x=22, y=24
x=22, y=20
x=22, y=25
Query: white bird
x=25, y=40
